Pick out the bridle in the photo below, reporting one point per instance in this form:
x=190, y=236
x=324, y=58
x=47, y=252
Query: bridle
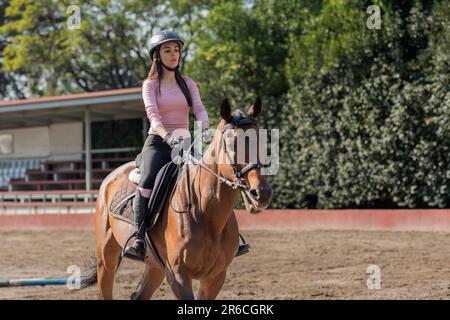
x=237, y=174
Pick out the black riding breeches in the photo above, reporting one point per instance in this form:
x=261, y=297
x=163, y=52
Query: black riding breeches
x=155, y=154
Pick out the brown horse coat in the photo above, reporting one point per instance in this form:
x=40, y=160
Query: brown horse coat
x=199, y=244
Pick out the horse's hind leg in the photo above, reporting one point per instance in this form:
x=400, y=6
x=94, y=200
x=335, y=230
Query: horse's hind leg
x=209, y=289
x=151, y=280
x=108, y=253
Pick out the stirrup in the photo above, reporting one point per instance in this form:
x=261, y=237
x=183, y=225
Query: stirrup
x=130, y=252
x=243, y=249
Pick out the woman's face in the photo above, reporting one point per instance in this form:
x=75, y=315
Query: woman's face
x=170, y=54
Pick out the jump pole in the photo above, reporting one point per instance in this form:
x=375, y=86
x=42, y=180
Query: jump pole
x=32, y=282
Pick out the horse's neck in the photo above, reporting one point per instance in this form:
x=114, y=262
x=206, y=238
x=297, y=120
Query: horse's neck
x=218, y=199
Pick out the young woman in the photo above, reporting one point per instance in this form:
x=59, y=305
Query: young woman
x=167, y=97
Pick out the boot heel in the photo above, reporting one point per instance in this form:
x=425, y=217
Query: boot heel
x=136, y=251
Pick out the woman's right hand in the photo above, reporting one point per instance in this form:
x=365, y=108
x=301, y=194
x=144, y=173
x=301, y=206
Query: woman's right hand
x=171, y=141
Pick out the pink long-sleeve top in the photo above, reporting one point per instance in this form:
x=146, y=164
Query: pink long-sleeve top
x=170, y=108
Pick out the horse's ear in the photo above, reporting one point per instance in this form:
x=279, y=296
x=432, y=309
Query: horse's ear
x=255, y=109
x=225, y=110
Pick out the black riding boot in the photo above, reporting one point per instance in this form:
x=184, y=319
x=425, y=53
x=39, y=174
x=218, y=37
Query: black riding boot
x=137, y=250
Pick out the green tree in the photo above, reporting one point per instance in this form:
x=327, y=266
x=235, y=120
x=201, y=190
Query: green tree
x=368, y=128
x=239, y=53
x=108, y=51
x=10, y=85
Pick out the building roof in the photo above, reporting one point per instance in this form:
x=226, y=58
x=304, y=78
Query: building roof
x=104, y=105
x=74, y=96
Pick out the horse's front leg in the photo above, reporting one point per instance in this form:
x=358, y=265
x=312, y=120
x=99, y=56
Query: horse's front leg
x=181, y=283
x=151, y=280
x=210, y=288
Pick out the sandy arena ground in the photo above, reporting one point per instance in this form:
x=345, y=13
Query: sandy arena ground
x=281, y=265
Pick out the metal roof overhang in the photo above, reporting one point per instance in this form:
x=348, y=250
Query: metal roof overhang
x=104, y=106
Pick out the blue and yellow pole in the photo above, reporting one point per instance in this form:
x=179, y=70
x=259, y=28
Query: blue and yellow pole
x=32, y=282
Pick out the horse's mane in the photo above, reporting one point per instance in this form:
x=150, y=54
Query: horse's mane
x=238, y=115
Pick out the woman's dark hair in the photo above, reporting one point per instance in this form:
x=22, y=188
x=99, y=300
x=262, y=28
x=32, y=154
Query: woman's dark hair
x=156, y=72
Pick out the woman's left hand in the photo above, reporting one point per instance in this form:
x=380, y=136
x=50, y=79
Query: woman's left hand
x=206, y=135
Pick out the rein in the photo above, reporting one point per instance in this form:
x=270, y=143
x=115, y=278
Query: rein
x=238, y=182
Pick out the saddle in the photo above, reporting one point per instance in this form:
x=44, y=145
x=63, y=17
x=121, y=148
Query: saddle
x=121, y=206
x=165, y=182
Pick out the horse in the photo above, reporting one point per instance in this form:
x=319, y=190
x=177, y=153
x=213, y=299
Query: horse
x=196, y=244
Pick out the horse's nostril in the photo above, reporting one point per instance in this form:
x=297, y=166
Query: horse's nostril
x=254, y=193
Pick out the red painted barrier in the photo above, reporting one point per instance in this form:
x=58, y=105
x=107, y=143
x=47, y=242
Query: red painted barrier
x=47, y=221
x=404, y=220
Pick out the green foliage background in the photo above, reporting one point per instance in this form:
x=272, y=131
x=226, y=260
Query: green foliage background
x=363, y=114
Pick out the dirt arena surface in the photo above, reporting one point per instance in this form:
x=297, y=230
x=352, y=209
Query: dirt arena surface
x=281, y=265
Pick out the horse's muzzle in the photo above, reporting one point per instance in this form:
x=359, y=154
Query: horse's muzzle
x=261, y=197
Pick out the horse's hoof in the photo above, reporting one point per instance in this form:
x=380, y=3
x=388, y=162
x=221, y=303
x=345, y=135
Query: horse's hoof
x=243, y=249
x=134, y=296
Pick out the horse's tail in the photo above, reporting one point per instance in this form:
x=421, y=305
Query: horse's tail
x=89, y=274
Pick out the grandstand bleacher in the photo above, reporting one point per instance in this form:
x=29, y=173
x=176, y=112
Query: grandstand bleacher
x=36, y=175
x=30, y=185
x=58, y=170
x=15, y=169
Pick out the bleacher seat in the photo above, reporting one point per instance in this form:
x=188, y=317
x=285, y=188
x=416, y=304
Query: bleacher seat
x=36, y=174
x=14, y=169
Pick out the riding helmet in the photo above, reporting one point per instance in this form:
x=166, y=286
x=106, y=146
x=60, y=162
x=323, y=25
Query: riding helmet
x=162, y=37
